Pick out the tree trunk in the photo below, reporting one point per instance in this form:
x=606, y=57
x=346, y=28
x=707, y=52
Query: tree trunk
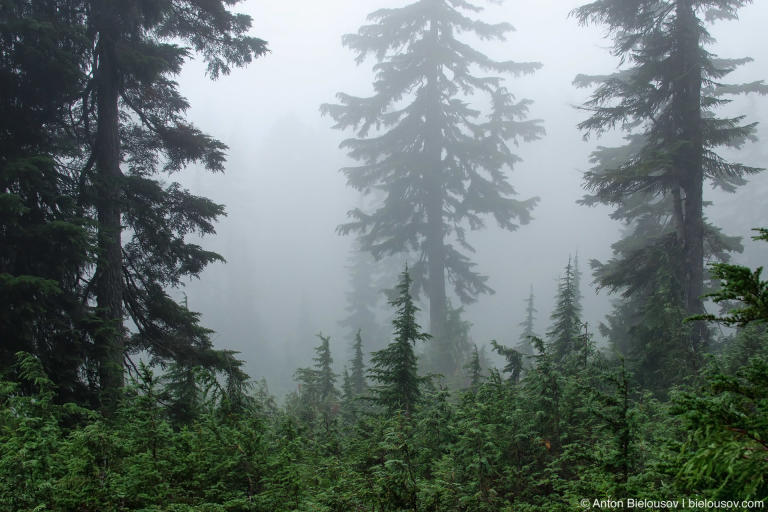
x=109, y=284
x=435, y=245
x=690, y=162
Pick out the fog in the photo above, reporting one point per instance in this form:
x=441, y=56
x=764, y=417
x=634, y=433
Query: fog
x=285, y=275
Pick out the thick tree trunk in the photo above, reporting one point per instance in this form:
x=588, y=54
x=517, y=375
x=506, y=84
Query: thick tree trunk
x=690, y=162
x=109, y=283
x=436, y=268
x=435, y=243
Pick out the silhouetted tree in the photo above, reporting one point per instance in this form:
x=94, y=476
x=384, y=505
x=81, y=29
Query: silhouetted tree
x=665, y=99
x=439, y=162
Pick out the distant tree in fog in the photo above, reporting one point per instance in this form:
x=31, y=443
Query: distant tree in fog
x=440, y=161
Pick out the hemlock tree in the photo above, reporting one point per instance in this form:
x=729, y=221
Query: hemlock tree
x=133, y=119
x=665, y=99
x=394, y=369
x=440, y=162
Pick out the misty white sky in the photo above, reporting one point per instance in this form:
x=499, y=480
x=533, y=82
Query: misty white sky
x=285, y=275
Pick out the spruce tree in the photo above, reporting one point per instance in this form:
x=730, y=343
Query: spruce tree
x=665, y=99
x=524, y=345
x=474, y=369
x=394, y=368
x=439, y=161
x=357, y=377
x=564, y=335
x=326, y=379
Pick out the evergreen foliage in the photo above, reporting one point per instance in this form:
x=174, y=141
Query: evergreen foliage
x=525, y=346
x=743, y=285
x=92, y=121
x=564, y=334
x=562, y=432
x=665, y=98
x=514, y=358
x=394, y=369
x=45, y=244
x=439, y=161
x=317, y=385
x=475, y=372
x=358, y=384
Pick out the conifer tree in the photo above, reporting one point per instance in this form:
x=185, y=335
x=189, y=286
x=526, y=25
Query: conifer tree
x=514, y=366
x=525, y=346
x=394, y=369
x=475, y=371
x=665, y=99
x=181, y=387
x=564, y=334
x=326, y=379
x=318, y=383
x=120, y=107
x=744, y=286
x=346, y=386
x=139, y=128
x=44, y=239
x=439, y=161
x=357, y=377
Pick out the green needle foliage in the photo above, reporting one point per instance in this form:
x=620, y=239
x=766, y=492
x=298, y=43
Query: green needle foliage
x=743, y=285
x=92, y=126
x=665, y=99
x=394, y=369
x=438, y=160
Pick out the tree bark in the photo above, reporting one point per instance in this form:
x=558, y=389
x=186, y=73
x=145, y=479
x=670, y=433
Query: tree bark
x=435, y=244
x=108, y=182
x=690, y=162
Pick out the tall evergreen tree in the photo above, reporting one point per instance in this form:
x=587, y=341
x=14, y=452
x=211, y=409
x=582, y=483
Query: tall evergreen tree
x=132, y=120
x=44, y=241
x=665, y=99
x=394, y=369
x=440, y=162
x=525, y=346
x=326, y=379
x=92, y=83
x=564, y=334
x=139, y=126
x=357, y=377
x=474, y=369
